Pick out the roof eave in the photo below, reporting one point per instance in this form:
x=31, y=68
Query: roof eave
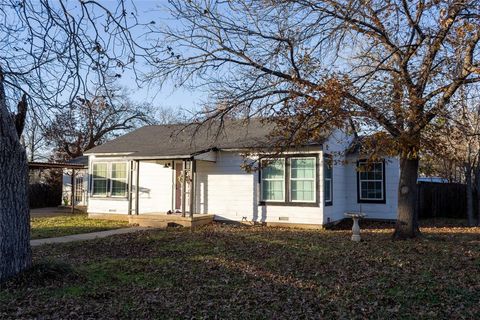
x=132, y=156
x=88, y=153
x=315, y=145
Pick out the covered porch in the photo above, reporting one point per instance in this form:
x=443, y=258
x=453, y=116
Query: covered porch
x=163, y=191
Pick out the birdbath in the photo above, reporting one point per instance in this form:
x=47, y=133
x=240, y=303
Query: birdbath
x=356, y=227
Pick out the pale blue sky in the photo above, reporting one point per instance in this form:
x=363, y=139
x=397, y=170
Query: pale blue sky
x=168, y=96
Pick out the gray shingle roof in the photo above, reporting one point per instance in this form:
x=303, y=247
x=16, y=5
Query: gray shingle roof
x=83, y=160
x=186, y=140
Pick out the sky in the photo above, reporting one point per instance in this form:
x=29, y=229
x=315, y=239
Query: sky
x=166, y=97
x=169, y=96
x=146, y=11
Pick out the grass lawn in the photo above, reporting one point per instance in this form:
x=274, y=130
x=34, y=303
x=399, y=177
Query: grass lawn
x=252, y=273
x=57, y=226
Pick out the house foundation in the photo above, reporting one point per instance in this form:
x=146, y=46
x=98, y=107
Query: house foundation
x=158, y=220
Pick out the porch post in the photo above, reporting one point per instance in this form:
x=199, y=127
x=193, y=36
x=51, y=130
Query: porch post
x=193, y=170
x=72, y=181
x=130, y=187
x=184, y=186
x=137, y=188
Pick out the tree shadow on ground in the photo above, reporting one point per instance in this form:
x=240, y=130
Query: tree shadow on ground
x=258, y=272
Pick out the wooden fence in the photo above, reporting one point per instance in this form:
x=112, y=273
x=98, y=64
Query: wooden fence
x=442, y=200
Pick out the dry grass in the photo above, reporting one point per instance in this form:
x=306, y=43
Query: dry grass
x=68, y=224
x=254, y=273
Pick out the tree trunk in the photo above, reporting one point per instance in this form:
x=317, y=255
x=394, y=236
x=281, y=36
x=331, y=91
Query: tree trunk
x=15, y=252
x=477, y=187
x=469, y=191
x=21, y=115
x=407, y=222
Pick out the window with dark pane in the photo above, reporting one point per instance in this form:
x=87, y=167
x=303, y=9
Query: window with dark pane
x=327, y=178
x=371, y=181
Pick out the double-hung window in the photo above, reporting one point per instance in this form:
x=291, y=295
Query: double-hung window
x=328, y=179
x=100, y=179
x=289, y=180
x=273, y=180
x=371, y=181
x=118, y=179
x=302, y=179
x=109, y=179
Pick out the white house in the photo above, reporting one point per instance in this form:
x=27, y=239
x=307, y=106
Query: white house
x=75, y=179
x=169, y=169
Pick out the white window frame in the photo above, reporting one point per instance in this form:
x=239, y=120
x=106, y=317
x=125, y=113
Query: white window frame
x=94, y=179
x=283, y=180
x=110, y=171
x=360, y=180
x=328, y=157
x=314, y=179
x=109, y=179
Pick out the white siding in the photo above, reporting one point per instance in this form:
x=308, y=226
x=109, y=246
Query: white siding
x=345, y=184
x=387, y=210
x=105, y=204
x=156, y=187
x=339, y=195
x=336, y=145
x=223, y=188
x=108, y=205
x=226, y=190
x=155, y=191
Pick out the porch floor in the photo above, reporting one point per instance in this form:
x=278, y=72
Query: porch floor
x=159, y=220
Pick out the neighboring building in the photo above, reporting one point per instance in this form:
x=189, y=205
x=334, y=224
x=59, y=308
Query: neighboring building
x=79, y=180
x=432, y=179
x=167, y=168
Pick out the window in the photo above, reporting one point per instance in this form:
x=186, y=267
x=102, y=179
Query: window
x=371, y=181
x=302, y=179
x=327, y=179
x=273, y=180
x=119, y=179
x=109, y=179
x=100, y=179
x=289, y=180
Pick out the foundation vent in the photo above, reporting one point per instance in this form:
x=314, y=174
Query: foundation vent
x=283, y=218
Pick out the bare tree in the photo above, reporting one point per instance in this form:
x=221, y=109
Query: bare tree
x=434, y=165
x=389, y=66
x=48, y=52
x=33, y=139
x=456, y=140
x=34, y=143
x=92, y=120
x=169, y=115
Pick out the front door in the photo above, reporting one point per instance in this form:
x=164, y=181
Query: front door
x=178, y=186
